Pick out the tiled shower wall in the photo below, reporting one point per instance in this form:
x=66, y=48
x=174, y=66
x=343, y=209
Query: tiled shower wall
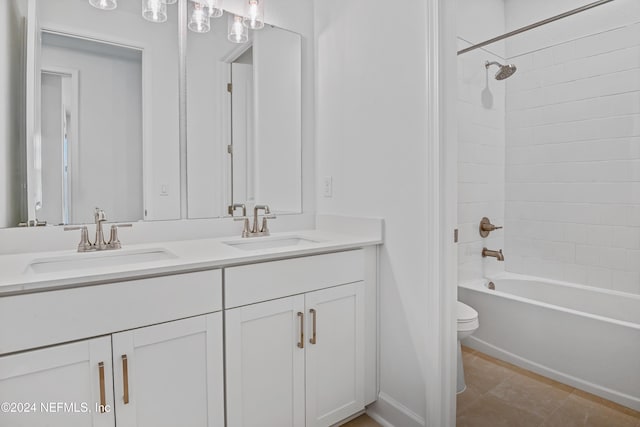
x=481, y=161
x=573, y=161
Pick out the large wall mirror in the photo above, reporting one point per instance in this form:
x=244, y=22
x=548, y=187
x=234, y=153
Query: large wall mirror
x=244, y=120
x=93, y=109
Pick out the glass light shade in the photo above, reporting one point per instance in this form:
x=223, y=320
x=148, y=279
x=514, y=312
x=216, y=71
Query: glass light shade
x=154, y=10
x=238, y=33
x=104, y=4
x=254, y=14
x=199, y=20
x=214, y=7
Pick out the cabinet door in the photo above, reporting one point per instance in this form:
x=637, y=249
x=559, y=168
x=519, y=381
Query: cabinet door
x=265, y=364
x=61, y=386
x=170, y=374
x=335, y=354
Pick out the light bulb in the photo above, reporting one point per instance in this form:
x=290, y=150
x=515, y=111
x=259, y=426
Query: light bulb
x=237, y=32
x=154, y=10
x=214, y=7
x=199, y=21
x=255, y=15
x=104, y=4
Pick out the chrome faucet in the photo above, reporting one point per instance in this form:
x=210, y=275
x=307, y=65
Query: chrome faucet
x=496, y=254
x=256, y=230
x=99, y=244
x=99, y=217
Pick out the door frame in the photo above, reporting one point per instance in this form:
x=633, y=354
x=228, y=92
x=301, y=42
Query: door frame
x=73, y=147
x=441, y=162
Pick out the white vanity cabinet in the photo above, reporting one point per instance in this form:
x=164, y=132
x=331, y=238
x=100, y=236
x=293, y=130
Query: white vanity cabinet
x=265, y=368
x=78, y=375
x=298, y=360
x=170, y=374
x=162, y=376
x=334, y=354
x=156, y=359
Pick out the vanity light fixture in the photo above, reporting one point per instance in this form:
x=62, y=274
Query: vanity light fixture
x=238, y=33
x=154, y=10
x=254, y=14
x=104, y=4
x=214, y=7
x=199, y=20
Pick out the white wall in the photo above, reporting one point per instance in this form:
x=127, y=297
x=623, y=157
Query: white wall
x=573, y=159
x=478, y=21
x=371, y=138
x=11, y=112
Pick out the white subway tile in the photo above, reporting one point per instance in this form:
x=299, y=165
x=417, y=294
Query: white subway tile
x=599, y=277
x=626, y=281
x=575, y=273
x=587, y=255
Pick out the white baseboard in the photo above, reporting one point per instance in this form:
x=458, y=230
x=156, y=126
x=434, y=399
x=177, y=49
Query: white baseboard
x=390, y=413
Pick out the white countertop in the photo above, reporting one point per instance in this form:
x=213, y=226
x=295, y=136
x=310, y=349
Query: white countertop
x=16, y=275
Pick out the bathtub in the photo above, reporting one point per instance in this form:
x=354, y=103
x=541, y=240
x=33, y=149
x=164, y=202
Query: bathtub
x=582, y=336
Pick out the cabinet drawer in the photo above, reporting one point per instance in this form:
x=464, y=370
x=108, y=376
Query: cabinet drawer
x=250, y=284
x=53, y=317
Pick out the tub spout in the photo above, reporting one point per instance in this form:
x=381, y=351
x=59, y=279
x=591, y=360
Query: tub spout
x=496, y=254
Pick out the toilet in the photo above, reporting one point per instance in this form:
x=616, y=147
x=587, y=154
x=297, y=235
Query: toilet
x=467, y=325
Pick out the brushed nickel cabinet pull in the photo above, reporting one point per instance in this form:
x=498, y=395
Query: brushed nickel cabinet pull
x=313, y=339
x=301, y=342
x=103, y=397
x=125, y=378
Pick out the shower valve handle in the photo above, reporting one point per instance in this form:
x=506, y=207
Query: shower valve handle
x=486, y=227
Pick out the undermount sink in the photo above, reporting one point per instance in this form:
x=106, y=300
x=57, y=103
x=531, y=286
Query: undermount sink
x=257, y=243
x=82, y=261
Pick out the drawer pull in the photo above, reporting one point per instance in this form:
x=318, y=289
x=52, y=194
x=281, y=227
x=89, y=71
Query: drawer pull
x=125, y=378
x=103, y=397
x=301, y=342
x=313, y=339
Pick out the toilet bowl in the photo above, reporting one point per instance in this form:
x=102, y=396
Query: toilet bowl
x=467, y=325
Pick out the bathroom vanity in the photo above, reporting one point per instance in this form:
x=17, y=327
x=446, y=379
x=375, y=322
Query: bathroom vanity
x=274, y=331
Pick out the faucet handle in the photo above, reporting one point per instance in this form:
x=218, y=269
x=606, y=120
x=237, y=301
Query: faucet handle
x=114, y=242
x=487, y=227
x=245, y=227
x=232, y=209
x=85, y=244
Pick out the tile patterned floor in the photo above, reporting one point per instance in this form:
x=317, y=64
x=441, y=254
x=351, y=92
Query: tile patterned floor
x=502, y=395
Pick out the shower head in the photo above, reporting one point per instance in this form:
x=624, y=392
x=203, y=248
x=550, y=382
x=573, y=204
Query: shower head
x=504, y=72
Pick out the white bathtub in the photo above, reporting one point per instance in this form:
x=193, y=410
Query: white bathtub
x=581, y=336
